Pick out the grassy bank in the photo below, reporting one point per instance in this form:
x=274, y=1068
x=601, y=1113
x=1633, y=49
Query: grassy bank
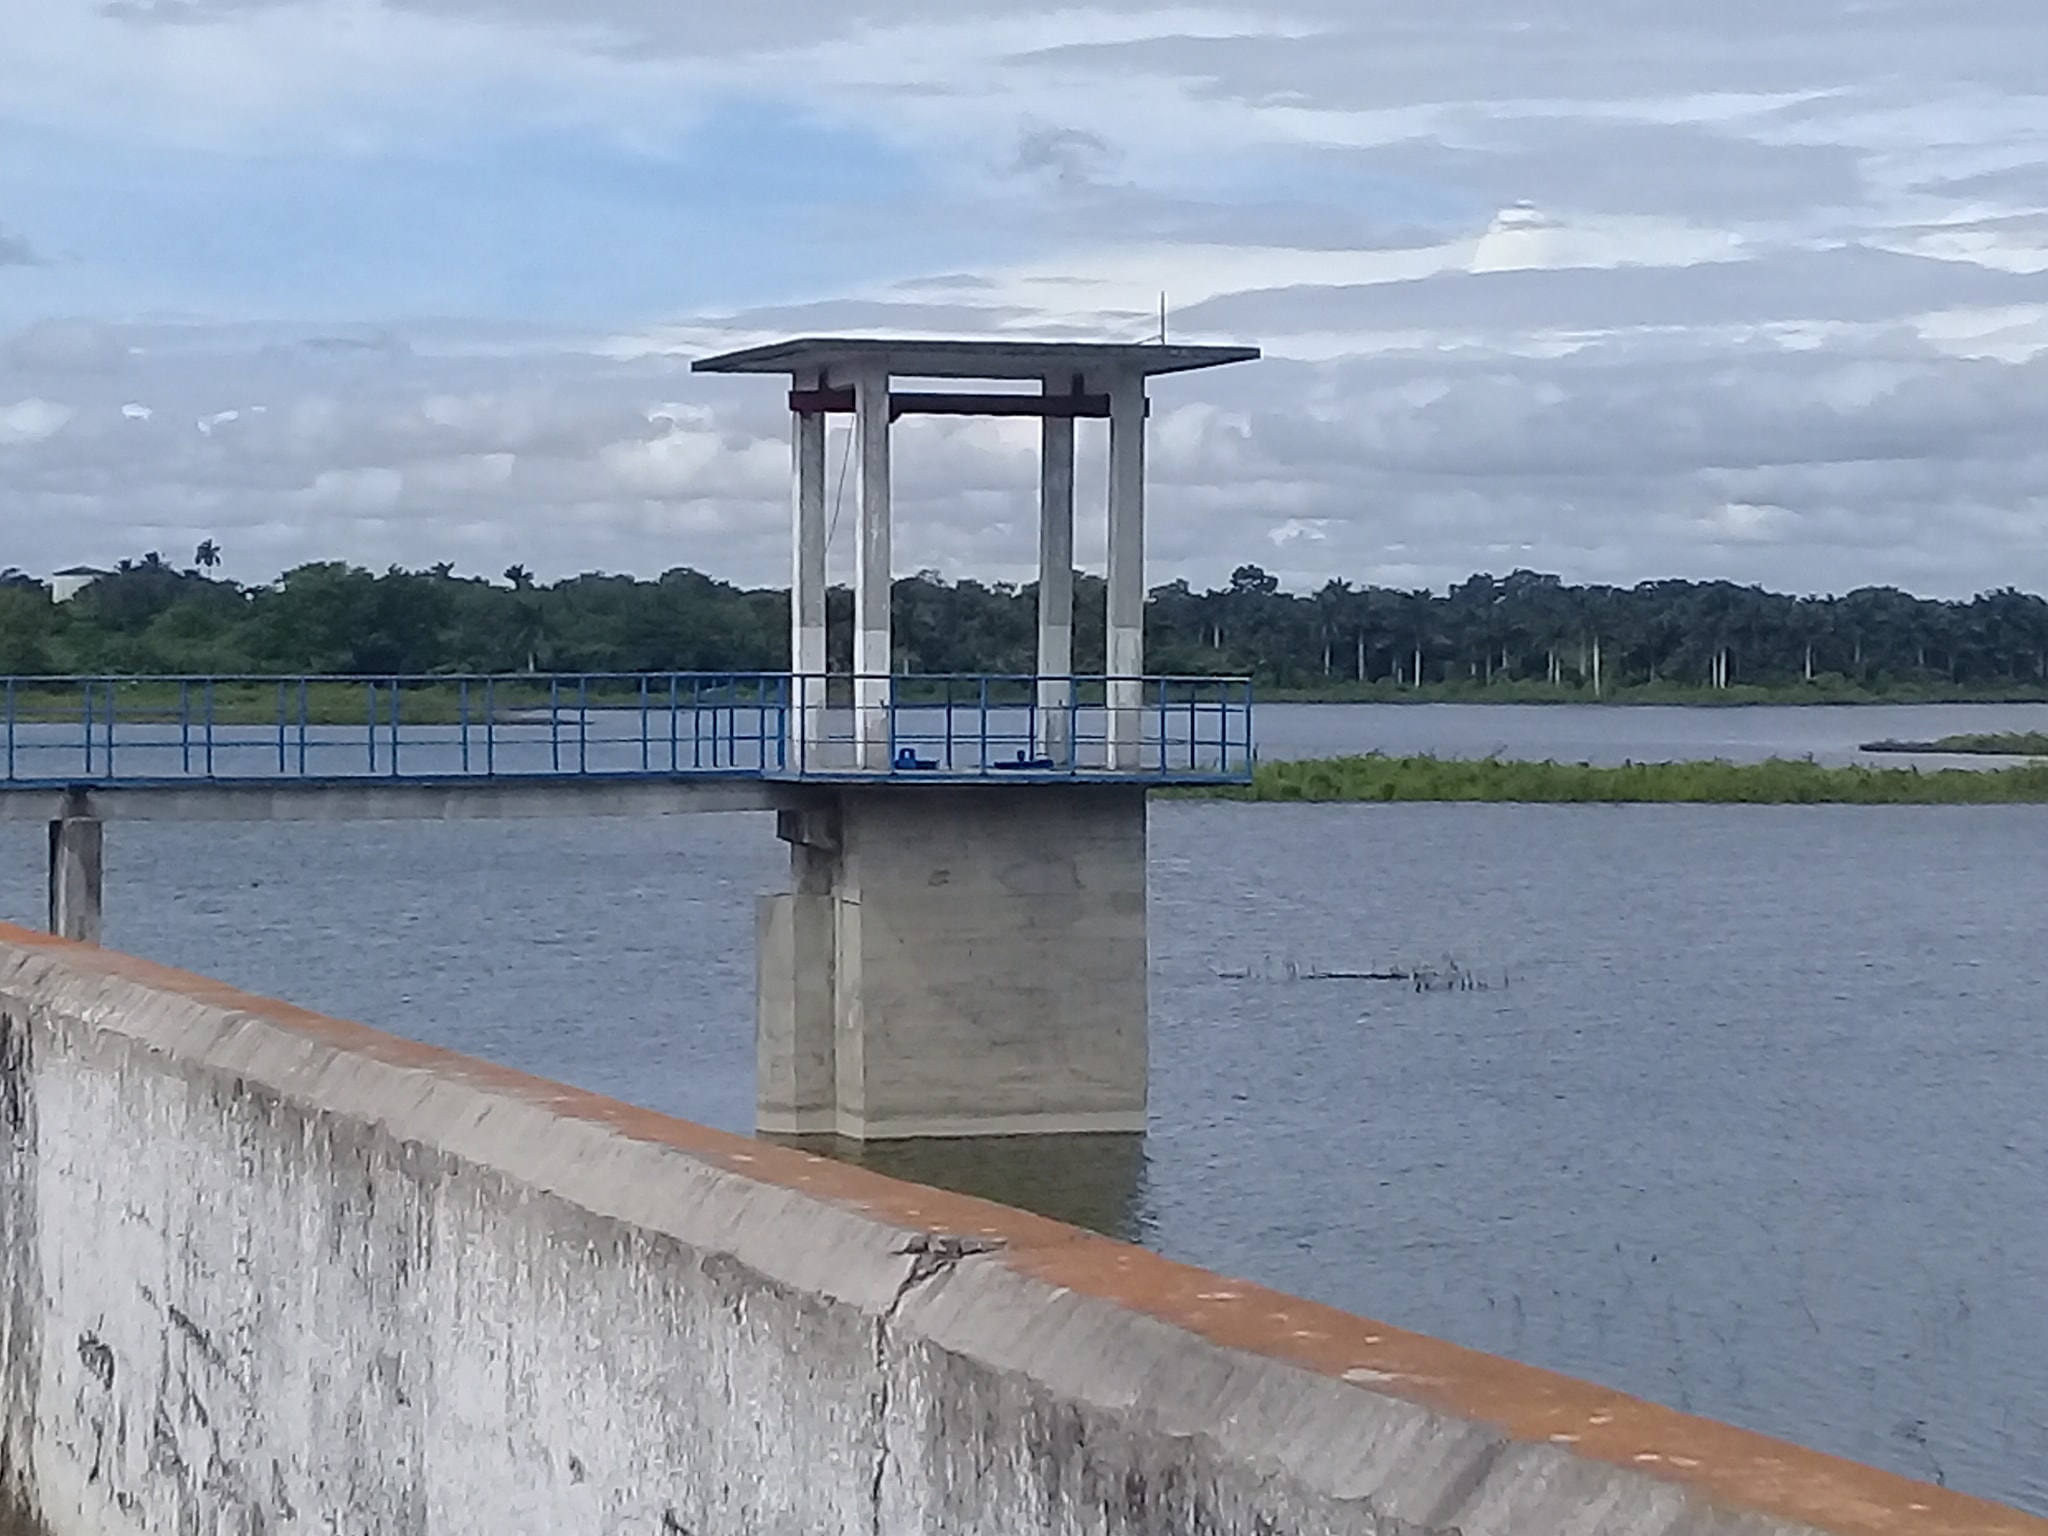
x=1778, y=782
x=323, y=702
x=1982, y=743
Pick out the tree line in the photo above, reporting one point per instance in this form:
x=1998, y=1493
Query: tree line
x=1525, y=630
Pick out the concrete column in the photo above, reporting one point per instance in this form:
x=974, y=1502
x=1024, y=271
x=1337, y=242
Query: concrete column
x=1056, y=584
x=987, y=965
x=1126, y=583
x=871, y=648
x=807, y=585
x=795, y=942
x=76, y=844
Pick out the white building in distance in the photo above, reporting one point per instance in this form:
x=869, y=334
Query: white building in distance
x=72, y=580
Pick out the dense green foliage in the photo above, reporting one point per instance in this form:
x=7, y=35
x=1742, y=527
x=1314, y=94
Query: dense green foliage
x=1521, y=636
x=1778, y=782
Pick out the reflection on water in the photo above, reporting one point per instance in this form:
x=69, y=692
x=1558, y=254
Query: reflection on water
x=1095, y=1182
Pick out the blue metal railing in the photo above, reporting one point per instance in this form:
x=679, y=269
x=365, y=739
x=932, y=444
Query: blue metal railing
x=62, y=731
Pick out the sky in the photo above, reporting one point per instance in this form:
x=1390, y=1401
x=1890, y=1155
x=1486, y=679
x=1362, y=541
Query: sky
x=1617, y=289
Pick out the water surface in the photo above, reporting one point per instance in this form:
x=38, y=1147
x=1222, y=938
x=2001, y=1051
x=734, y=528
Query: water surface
x=1643, y=733
x=1747, y=1118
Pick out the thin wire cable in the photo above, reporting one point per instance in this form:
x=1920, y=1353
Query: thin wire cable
x=839, y=493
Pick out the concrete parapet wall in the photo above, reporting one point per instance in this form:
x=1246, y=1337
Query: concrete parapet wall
x=263, y=1271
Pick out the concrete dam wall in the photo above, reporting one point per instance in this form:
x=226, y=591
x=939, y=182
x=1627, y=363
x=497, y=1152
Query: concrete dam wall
x=263, y=1271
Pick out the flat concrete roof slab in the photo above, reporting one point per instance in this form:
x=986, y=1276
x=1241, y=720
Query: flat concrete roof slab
x=910, y=358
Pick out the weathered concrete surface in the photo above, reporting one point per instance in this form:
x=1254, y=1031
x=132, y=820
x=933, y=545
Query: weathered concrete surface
x=262, y=1271
x=77, y=877
x=797, y=1090
x=956, y=961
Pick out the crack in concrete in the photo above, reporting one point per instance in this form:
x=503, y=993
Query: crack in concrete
x=931, y=1254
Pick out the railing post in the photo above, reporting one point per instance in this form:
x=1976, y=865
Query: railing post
x=554, y=723
x=184, y=725
x=206, y=733
x=490, y=727
x=10, y=727
x=646, y=747
x=370, y=722
x=282, y=706
x=1164, y=738
x=304, y=712
x=462, y=706
x=1245, y=719
x=800, y=711
x=675, y=740
x=583, y=723
x=85, y=719
x=395, y=691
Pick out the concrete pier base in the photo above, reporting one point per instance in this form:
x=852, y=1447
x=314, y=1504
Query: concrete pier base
x=76, y=847
x=956, y=961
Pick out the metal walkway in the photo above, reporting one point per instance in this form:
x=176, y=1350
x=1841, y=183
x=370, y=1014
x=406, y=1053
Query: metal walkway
x=186, y=732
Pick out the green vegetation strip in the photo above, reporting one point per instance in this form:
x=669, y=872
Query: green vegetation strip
x=1777, y=782
x=1982, y=743
x=1525, y=637
x=343, y=703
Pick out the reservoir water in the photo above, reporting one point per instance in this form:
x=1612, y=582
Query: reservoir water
x=1606, y=734
x=1746, y=1116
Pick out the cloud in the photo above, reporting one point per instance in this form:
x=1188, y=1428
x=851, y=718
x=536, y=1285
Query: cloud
x=1881, y=458
x=1838, y=284
x=65, y=346
x=1072, y=158
x=15, y=251
x=1613, y=289
x=30, y=421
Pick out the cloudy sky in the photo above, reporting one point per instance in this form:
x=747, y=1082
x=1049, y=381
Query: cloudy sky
x=1614, y=288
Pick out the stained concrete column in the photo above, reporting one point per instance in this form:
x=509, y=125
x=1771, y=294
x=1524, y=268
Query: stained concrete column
x=872, y=658
x=807, y=583
x=795, y=942
x=1126, y=616
x=76, y=845
x=1056, y=584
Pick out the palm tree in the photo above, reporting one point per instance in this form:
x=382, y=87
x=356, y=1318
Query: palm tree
x=1419, y=628
x=520, y=577
x=529, y=633
x=207, y=555
x=1334, y=607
